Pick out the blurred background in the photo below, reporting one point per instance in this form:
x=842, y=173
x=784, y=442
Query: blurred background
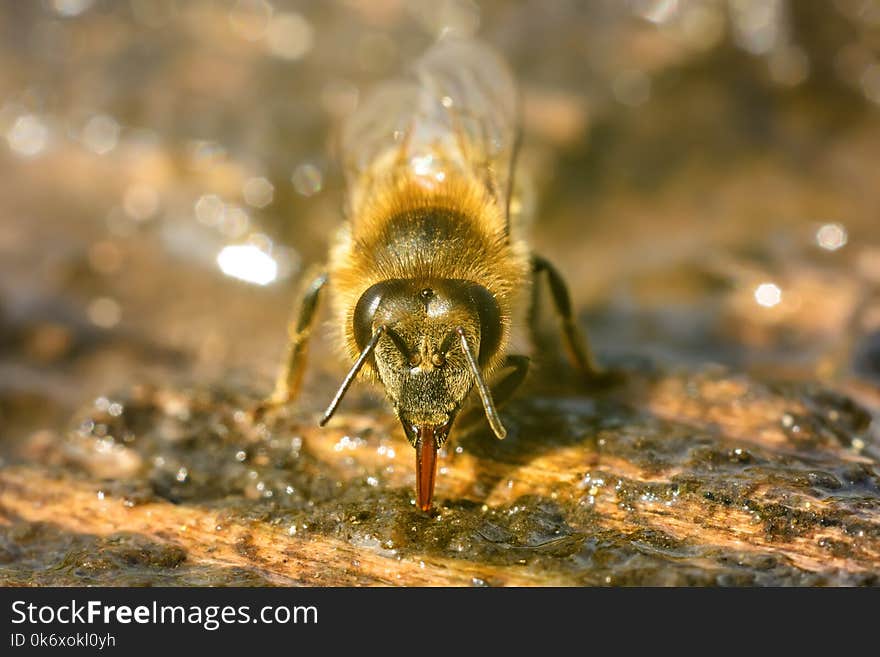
x=707, y=179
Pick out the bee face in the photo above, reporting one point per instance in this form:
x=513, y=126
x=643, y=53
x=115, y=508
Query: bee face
x=419, y=358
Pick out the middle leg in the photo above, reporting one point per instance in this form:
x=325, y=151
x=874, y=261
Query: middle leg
x=576, y=343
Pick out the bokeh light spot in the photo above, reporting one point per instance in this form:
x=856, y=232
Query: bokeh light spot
x=768, y=295
x=101, y=134
x=307, y=179
x=258, y=192
x=289, y=36
x=28, y=135
x=831, y=237
x=248, y=263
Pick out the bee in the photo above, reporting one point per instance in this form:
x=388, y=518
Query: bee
x=430, y=270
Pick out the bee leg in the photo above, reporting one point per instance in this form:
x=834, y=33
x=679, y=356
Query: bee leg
x=502, y=390
x=299, y=331
x=576, y=343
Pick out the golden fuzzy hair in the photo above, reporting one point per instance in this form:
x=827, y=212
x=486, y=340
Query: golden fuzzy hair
x=476, y=246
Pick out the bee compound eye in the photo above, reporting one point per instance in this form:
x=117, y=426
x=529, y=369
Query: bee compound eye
x=365, y=313
x=490, y=321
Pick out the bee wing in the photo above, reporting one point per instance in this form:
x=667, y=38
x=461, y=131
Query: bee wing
x=372, y=137
x=456, y=116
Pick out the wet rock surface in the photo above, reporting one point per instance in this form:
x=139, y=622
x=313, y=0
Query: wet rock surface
x=691, y=479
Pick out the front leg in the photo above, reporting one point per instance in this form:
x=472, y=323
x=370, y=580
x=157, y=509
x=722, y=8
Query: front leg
x=576, y=343
x=290, y=374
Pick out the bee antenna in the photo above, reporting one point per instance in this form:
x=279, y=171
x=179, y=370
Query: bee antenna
x=485, y=394
x=352, y=375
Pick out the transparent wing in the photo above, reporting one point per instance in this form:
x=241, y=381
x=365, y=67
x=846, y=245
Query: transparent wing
x=456, y=116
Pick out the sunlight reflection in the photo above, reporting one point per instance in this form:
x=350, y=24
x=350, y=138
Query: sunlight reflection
x=768, y=295
x=248, y=263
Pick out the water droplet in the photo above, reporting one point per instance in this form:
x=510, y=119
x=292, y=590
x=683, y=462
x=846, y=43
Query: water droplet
x=100, y=134
x=758, y=24
x=258, y=192
x=657, y=11
x=289, y=36
x=768, y=295
x=104, y=312
x=28, y=135
x=71, y=8
x=209, y=210
x=234, y=221
x=831, y=237
x=307, y=179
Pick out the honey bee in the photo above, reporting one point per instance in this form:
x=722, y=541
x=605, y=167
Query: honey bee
x=431, y=268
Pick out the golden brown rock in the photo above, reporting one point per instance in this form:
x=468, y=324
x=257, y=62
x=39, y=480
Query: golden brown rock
x=699, y=479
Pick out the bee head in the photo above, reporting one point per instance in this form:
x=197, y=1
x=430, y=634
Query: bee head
x=435, y=337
